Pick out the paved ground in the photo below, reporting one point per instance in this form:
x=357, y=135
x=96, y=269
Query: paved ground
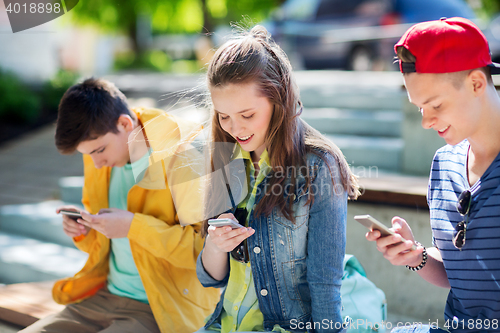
x=30, y=168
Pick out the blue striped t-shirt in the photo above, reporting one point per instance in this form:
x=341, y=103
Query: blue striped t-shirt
x=474, y=271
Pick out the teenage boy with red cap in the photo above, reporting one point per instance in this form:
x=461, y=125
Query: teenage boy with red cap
x=447, y=71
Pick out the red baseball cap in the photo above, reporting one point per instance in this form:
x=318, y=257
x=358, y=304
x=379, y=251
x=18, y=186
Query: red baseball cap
x=446, y=46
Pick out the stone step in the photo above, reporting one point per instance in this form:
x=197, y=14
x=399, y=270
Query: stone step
x=38, y=221
x=354, y=122
x=370, y=152
x=351, y=90
x=355, y=90
x=321, y=97
x=24, y=259
x=71, y=189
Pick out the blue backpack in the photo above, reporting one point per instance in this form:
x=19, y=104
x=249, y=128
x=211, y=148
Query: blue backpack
x=362, y=301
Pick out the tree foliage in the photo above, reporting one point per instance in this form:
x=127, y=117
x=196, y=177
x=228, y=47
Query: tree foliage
x=485, y=8
x=169, y=16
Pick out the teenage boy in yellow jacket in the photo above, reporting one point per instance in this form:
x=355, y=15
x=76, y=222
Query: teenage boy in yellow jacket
x=140, y=275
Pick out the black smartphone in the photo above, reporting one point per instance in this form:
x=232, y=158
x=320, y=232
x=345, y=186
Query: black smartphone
x=71, y=213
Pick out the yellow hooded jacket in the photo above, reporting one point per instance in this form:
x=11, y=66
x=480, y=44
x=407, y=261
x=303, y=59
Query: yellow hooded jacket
x=164, y=251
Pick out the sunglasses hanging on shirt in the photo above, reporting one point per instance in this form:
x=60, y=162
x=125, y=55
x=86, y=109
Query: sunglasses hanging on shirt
x=463, y=207
x=240, y=252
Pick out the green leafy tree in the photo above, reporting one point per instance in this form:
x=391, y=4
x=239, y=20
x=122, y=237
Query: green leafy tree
x=485, y=8
x=168, y=16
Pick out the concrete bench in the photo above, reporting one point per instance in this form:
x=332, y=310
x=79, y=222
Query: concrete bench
x=22, y=304
x=393, y=189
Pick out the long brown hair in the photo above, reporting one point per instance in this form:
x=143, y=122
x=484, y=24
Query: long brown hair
x=255, y=57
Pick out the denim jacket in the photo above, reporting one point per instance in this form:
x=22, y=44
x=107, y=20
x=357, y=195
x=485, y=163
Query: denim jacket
x=298, y=267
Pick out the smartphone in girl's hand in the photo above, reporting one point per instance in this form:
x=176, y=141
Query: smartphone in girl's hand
x=224, y=222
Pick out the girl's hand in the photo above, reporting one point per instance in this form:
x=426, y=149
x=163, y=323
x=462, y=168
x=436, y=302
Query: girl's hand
x=225, y=239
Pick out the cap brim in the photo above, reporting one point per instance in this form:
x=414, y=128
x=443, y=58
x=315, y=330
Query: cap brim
x=494, y=68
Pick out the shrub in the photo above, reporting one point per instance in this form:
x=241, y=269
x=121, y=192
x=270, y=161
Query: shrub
x=18, y=103
x=54, y=89
x=153, y=60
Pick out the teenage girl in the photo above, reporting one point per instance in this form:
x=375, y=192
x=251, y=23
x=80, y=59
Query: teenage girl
x=283, y=269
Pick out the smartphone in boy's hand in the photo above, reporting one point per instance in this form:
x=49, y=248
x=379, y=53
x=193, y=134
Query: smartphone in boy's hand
x=373, y=224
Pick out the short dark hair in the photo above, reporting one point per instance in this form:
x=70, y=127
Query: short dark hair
x=405, y=55
x=88, y=110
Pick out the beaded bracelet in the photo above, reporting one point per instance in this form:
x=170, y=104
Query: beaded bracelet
x=424, y=260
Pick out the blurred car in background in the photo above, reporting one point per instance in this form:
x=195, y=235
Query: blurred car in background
x=352, y=34
x=492, y=33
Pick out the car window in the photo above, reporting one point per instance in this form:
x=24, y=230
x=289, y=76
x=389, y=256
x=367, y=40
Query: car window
x=335, y=8
x=426, y=10
x=300, y=10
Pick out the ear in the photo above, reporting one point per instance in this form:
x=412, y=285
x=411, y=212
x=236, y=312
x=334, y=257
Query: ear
x=125, y=122
x=478, y=81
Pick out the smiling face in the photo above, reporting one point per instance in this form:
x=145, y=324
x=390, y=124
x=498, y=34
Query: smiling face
x=244, y=114
x=447, y=107
x=111, y=149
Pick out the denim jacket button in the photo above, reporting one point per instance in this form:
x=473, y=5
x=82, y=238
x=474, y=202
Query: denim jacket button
x=263, y=292
x=256, y=249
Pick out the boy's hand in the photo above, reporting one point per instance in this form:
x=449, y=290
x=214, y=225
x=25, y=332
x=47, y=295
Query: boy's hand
x=70, y=226
x=111, y=222
x=397, y=252
x=225, y=239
